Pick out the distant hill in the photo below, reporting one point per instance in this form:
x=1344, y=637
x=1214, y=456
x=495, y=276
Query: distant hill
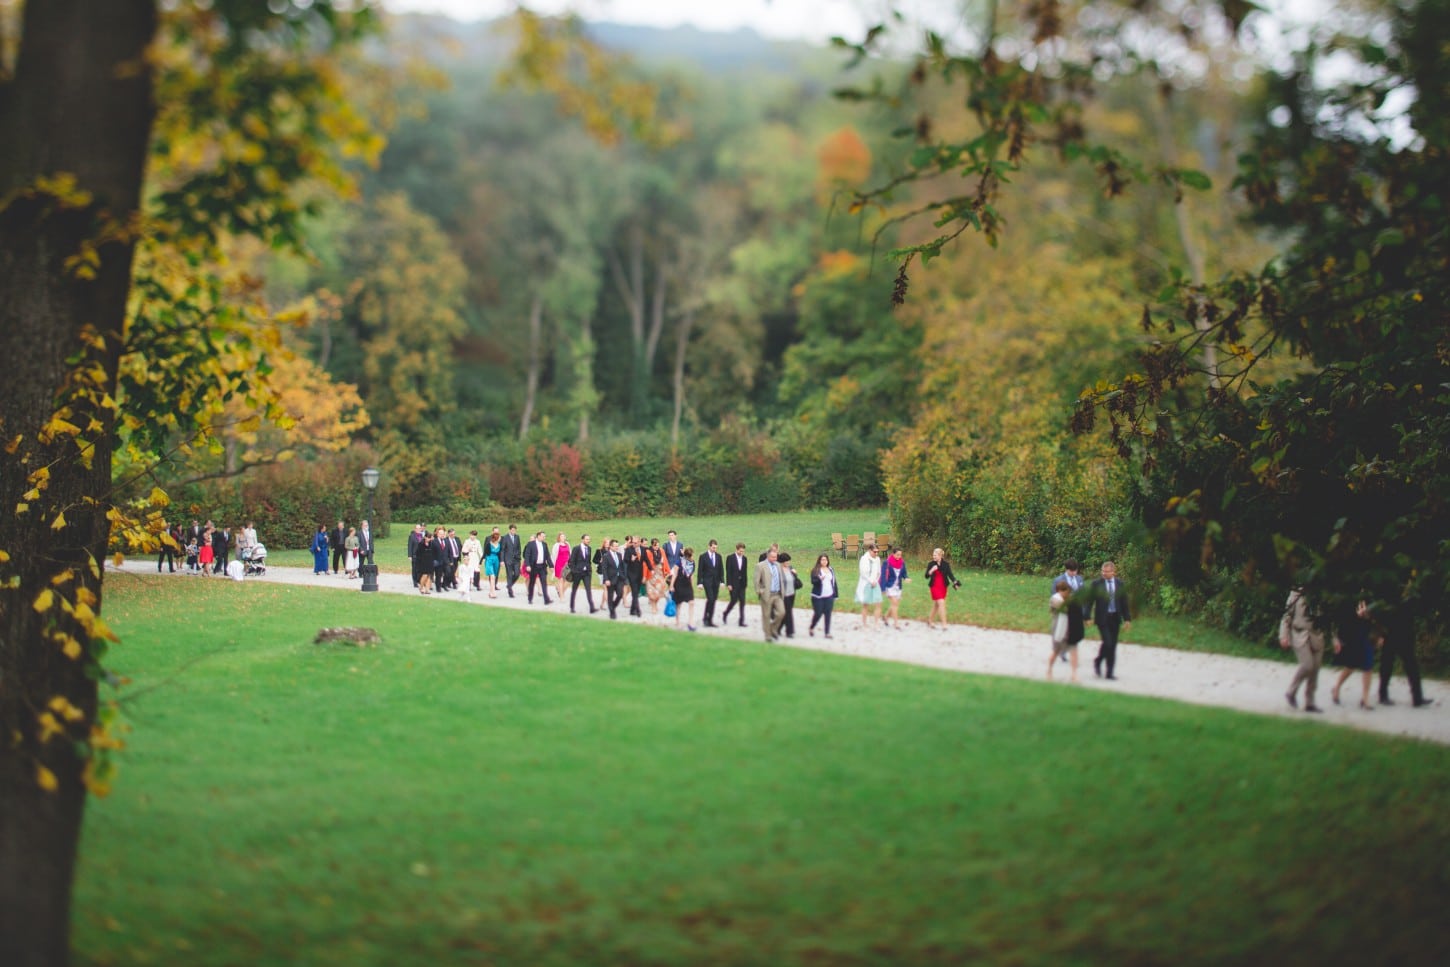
x=448, y=43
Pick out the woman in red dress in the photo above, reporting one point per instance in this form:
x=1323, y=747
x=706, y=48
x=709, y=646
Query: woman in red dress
x=939, y=577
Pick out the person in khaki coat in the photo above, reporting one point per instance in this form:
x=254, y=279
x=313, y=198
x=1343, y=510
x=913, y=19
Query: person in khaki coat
x=770, y=587
x=1298, y=631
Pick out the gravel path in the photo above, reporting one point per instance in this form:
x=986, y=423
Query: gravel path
x=1246, y=684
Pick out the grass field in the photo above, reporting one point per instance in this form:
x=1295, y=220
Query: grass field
x=510, y=788
x=993, y=600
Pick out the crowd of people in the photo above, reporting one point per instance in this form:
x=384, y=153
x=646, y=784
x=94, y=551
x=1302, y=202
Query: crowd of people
x=659, y=580
x=205, y=549
x=665, y=580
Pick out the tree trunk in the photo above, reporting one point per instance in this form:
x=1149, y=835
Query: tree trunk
x=531, y=385
x=682, y=343
x=1192, y=251
x=79, y=104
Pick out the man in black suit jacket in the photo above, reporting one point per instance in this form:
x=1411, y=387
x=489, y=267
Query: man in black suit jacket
x=634, y=570
x=1111, y=613
x=581, y=571
x=365, y=544
x=711, y=574
x=611, y=569
x=415, y=541
x=337, y=540
x=737, y=578
x=540, y=562
x=220, y=547
x=510, y=554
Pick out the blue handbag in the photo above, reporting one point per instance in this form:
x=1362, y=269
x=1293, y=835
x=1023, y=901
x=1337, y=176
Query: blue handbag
x=669, y=606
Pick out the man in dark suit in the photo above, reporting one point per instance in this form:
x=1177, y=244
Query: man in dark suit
x=581, y=571
x=416, y=540
x=337, y=541
x=220, y=547
x=634, y=571
x=1111, y=613
x=611, y=569
x=510, y=555
x=539, y=562
x=454, y=547
x=710, y=575
x=673, y=550
x=365, y=544
x=737, y=577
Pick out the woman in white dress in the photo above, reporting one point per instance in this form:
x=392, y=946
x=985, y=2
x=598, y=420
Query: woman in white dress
x=350, y=558
x=868, y=588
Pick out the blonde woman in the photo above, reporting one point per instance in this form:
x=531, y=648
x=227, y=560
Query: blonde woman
x=868, y=588
x=939, y=577
x=561, y=561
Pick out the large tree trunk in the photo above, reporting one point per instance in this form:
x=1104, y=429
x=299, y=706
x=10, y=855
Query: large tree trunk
x=536, y=363
x=79, y=104
x=1192, y=251
x=682, y=345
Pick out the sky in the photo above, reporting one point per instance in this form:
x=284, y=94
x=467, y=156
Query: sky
x=815, y=20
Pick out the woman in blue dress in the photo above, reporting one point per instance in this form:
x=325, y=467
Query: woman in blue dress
x=319, y=550
x=492, y=549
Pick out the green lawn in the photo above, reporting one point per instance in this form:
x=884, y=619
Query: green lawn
x=497, y=787
x=993, y=600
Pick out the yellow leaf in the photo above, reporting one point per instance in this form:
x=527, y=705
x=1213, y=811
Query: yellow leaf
x=120, y=558
x=39, y=476
x=46, y=779
x=4, y=557
x=49, y=727
x=158, y=497
x=43, y=601
x=72, y=648
x=12, y=445
x=64, y=577
x=63, y=707
x=59, y=521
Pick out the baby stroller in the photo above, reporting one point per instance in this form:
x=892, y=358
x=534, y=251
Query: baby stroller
x=255, y=559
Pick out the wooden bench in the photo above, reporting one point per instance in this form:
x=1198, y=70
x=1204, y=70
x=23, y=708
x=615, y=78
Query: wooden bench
x=853, y=545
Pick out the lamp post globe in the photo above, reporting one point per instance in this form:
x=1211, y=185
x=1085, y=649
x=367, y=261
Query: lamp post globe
x=369, y=570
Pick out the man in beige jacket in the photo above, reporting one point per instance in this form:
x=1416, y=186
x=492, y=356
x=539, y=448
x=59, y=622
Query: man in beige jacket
x=1297, y=630
x=770, y=587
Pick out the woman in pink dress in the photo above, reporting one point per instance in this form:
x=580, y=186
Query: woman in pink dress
x=561, y=561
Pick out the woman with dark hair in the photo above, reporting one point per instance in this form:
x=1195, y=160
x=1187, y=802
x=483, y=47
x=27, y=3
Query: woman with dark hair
x=682, y=587
x=893, y=582
x=824, y=592
x=320, y=547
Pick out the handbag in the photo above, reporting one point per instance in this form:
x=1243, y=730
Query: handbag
x=669, y=606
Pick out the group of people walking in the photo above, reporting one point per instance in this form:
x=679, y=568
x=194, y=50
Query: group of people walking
x=349, y=548
x=1355, y=635
x=1075, y=603
x=636, y=573
x=203, y=548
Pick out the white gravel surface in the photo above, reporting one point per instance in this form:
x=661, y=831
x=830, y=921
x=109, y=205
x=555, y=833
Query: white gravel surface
x=1245, y=684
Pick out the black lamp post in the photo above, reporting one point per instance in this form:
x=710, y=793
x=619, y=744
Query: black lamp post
x=369, y=570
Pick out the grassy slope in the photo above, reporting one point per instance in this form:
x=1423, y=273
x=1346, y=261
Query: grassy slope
x=496, y=787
